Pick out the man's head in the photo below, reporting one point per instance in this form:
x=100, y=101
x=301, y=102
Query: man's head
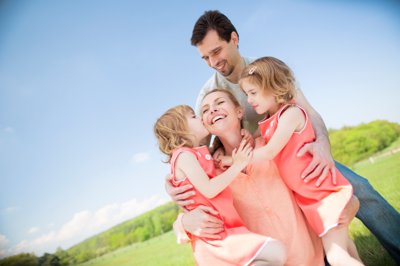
x=217, y=41
x=212, y=20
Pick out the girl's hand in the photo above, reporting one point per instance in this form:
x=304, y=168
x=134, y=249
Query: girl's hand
x=247, y=136
x=221, y=160
x=242, y=155
x=225, y=162
x=217, y=155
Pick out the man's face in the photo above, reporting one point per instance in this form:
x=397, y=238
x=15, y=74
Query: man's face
x=219, y=54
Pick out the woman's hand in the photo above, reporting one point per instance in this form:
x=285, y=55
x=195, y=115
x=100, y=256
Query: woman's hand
x=202, y=222
x=180, y=195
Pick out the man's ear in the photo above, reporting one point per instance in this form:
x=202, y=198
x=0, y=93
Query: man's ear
x=234, y=38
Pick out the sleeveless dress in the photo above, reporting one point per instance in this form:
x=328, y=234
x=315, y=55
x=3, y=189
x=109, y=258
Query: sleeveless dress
x=238, y=246
x=267, y=206
x=323, y=205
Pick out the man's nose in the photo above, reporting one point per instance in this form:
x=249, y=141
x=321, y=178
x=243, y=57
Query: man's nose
x=213, y=61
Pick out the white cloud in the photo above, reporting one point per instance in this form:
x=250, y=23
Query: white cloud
x=3, y=241
x=9, y=130
x=86, y=223
x=140, y=157
x=11, y=209
x=3, y=246
x=33, y=230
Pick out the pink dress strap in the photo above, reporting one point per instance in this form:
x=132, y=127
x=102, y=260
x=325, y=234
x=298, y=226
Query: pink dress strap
x=175, y=155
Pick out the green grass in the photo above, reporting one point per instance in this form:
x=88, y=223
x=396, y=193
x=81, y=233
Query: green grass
x=384, y=176
x=162, y=250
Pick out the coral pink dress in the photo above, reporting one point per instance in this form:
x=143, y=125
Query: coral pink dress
x=238, y=245
x=323, y=205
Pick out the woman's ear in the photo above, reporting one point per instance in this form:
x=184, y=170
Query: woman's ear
x=240, y=112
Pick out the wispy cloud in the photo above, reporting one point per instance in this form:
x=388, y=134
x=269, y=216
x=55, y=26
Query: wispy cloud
x=33, y=230
x=9, y=130
x=141, y=157
x=11, y=209
x=86, y=223
x=3, y=246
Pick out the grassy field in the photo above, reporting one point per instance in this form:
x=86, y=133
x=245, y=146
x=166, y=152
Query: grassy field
x=162, y=250
x=383, y=174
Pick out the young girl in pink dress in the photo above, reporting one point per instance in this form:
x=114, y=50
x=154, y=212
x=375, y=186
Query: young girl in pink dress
x=179, y=133
x=270, y=86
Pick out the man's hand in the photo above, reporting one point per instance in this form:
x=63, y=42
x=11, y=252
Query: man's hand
x=180, y=195
x=202, y=222
x=321, y=164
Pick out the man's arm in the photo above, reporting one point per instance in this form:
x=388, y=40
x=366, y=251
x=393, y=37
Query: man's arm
x=322, y=161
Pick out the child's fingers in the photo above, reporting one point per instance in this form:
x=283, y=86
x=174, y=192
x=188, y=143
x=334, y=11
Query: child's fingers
x=234, y=152
x=242, y=144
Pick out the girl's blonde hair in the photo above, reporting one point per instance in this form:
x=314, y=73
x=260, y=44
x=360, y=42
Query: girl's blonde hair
x=271, y=75
x=171, y=130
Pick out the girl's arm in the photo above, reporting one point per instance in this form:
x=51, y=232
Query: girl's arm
x=188, y=164
x=320, y=149
x=290, y=121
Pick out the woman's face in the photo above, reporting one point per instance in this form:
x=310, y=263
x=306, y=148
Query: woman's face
x=219, y=113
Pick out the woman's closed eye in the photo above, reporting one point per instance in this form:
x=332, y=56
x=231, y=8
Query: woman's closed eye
x=204, y=110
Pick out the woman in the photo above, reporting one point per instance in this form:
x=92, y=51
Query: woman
x=264, y=203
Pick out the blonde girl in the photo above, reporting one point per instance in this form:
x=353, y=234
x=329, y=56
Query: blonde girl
x=179, y=133
x=270, y=87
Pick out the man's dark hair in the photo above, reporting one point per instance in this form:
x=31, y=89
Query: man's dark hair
x=212, y=20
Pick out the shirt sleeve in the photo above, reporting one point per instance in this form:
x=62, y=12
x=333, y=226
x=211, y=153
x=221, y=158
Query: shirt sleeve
x=182, y=236
x=208, y=86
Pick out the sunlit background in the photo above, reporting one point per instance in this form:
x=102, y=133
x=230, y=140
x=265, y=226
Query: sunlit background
x=82, y=82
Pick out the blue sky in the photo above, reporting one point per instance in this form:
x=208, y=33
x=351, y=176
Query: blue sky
x=82, y=82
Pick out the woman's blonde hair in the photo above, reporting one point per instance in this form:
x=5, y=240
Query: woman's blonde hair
x=227, y=92
x=171, y=130
x=271, y=75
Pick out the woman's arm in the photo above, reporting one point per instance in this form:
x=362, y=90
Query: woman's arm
x=189, y=165
x=291, y=120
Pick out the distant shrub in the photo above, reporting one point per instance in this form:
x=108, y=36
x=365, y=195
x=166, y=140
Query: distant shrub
x=352, y=144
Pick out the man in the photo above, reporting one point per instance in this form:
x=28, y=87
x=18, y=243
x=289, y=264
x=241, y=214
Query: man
x=217, y=42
